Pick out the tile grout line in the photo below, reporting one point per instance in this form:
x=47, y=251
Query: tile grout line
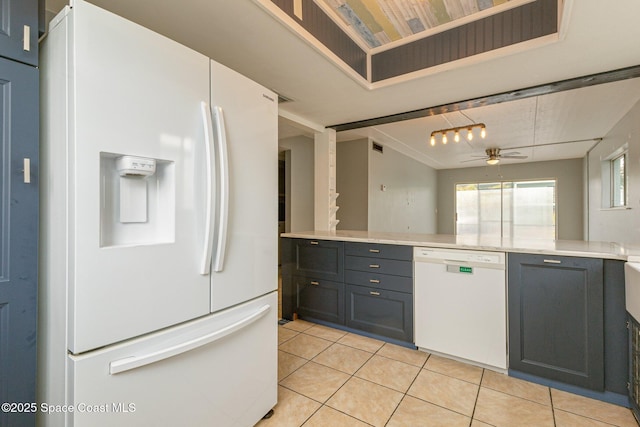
x=475, y=404
x=323, y=404
x=553, y=409
x=343, y=384
x=363, y=379
x=405, y=394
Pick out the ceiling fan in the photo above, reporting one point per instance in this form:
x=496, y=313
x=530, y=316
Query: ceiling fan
x=494, y=155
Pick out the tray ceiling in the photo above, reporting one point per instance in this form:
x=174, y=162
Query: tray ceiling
x=379, y=22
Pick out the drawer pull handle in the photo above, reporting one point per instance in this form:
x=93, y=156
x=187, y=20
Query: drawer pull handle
x=552, y=261
x=374, y=281
x=374, y=293
x=314, y=283
x=374, y=251
x=313, y=243
x=374, y=265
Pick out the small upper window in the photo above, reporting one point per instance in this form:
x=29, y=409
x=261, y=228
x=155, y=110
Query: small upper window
x=619, y=181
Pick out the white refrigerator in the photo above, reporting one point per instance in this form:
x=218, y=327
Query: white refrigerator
x=158, y=277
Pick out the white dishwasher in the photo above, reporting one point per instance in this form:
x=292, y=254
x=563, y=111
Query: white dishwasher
x=460, y=305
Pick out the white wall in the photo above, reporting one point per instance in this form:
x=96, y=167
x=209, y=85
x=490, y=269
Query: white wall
x=406, y=205
x=569, y=196
x=616, y=225
x=298, y=183
x=352, y=180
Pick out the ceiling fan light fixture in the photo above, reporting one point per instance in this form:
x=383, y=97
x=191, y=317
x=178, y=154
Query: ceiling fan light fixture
x=493, y=161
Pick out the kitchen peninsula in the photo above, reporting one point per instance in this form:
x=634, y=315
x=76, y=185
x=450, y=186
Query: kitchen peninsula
x=590, y=249
x=564, y=306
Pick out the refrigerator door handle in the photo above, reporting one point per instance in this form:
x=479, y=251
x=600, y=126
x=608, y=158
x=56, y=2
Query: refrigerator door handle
x=134, y=362
x=205, y=262
x=223, y=206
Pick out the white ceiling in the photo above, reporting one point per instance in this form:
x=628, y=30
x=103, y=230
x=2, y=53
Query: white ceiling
x=597, y=36
x=550, y=121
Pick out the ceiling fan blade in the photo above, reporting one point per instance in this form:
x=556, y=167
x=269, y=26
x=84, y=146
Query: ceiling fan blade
x=508, y=153
x=507, y=156
x=474, y=160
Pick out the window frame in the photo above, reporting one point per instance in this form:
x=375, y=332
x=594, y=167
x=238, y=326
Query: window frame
x=624, y=181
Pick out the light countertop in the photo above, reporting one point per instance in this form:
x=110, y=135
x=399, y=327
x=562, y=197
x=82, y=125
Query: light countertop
x=606, y=250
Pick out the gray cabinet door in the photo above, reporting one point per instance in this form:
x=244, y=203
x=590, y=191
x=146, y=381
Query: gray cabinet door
x=381, y=312
x=18, y=237
x=320, y=299
x=556, y=318
x=19, y=30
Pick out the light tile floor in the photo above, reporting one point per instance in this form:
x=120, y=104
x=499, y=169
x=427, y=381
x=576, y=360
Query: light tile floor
x=332, y=378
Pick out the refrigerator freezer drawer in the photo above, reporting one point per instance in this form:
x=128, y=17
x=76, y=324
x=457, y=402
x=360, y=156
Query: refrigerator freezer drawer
x=220, y=370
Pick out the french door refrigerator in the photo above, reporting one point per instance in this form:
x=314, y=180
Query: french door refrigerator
x=158, y=273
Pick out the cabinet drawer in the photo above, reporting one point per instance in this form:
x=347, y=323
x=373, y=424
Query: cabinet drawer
x=381, y=266
x=380, y=281
x=321, y=259
x=320, y=299
x=404, y=253
x=381, y=312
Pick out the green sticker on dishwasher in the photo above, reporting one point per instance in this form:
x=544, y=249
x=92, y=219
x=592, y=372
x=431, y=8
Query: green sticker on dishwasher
x=466, y=270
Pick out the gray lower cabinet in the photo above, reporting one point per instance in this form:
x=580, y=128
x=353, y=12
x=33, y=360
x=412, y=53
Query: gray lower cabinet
x=363, y=286
x=379, y=285
x=380, y=312
x=556, y=318
x=303, y=261
x=320, y=299
x=634, y=365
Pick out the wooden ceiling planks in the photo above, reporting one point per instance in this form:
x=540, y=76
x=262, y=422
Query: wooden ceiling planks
x=378, y=22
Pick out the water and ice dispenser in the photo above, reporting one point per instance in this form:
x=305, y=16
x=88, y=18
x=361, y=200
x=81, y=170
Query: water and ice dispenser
x=133, y=172
x=137, y=200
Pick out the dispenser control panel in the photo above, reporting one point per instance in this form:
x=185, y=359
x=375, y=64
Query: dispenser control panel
x=135, y=166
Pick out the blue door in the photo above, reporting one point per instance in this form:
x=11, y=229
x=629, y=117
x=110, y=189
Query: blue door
x=18, y=238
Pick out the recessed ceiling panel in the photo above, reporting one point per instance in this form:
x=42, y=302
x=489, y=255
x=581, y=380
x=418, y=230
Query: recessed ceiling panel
x=379, y=22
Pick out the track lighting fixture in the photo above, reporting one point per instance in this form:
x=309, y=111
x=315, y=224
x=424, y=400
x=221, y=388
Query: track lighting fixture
x=456, y=133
